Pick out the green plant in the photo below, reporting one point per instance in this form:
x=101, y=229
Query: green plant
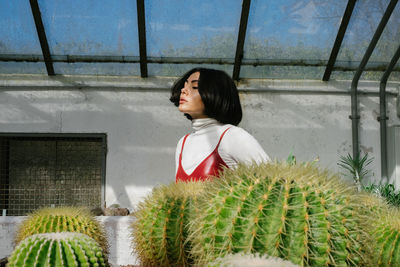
x=296, y=212
x=250, y=260
x=291, y=160
x=386, y=191
x=356, y=167
x=159, y=231
x=57, y=249
x=62, y=219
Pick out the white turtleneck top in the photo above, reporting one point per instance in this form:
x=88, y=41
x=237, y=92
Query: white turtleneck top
x=236, y=146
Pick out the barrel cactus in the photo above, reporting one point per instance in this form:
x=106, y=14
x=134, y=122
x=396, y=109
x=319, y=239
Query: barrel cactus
x=382, y=222
x=293, y=211
x=62, y=219
x=387, y=236
x=250, y=260
x=159, y=231
x=57, y=249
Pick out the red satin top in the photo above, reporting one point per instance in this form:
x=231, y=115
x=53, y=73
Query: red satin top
x=209, y=166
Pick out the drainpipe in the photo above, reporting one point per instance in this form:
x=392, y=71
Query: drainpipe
x=355, y=117
x=382, y=116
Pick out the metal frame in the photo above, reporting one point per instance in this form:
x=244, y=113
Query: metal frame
x=382, y=116
x=355, y=117
x=339, y=65
x=103, y=137
x=241, y=38
x=142, y=37
x=237, y=62
x=339, y=38
x=42, y=36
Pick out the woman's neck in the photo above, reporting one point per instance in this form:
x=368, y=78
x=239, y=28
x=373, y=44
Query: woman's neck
x=204, y=123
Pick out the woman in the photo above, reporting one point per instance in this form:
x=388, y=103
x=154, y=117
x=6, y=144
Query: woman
x=210, y=99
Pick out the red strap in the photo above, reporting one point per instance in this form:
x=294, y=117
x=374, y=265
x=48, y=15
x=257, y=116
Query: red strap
x=222, y=135
x=183, y=143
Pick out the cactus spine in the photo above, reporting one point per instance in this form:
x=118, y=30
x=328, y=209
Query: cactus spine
x=63, y=219
x=159, y=231
x=250, y=260
x=295, y=212
x=57, y=249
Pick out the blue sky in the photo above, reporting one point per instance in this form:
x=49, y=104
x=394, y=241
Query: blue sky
x=109, y=27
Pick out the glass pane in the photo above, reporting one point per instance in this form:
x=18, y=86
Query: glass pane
x=282, y=72
x=362, y=26
x=17, y=28
x=292, y=29
x=390, y=39
x=92, y=27
x=189, y=28
x=23, y=67
x=97, y=68
x=180, y=69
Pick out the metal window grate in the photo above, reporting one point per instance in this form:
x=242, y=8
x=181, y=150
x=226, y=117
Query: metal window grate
x=37, y=171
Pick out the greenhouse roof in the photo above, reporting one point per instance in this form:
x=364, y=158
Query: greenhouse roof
x=295, y=39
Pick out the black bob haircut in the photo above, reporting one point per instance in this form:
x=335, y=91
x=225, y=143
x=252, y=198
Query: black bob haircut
x=218, y=93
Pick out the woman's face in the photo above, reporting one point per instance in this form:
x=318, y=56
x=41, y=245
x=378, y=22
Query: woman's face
x=190, y=100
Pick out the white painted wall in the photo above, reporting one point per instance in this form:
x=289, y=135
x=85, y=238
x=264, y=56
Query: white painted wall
x=306, y=118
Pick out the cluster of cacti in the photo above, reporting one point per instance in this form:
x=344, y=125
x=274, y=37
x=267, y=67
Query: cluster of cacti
x=295, y=212
x=57, y=249
x=250, y=260
x=62, y=219
x=160, y=231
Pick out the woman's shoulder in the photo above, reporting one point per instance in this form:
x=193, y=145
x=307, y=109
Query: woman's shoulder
x=181, y=139
x=239, y=138
x=237, y=132
x=241, y=146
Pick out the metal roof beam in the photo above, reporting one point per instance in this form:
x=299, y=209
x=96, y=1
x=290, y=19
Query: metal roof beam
x=241, y=37
x=142, y=37
x=355, y=117
x=382, y=116
x=340, y=65
x=339, y=38
x=42, y=36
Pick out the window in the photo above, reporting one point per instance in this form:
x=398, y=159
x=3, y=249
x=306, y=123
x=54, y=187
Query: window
x=50, y=171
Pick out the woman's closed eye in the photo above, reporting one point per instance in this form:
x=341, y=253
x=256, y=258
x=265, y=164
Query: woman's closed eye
x=195, y=84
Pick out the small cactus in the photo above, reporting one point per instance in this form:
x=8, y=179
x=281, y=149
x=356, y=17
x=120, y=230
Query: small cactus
x=62, y=219
x=292, y=211
x=250, y=260
x=57, y=249
x=159, y=231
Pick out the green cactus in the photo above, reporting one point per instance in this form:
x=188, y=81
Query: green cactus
x=382, y=222
x=295, y=212
x=387, y=236
x=250, y=260
x=159, y=231
x=57, y=249
x=62, y=219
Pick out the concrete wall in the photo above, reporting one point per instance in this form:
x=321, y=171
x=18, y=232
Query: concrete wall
x=306, y=118
x=117, y=230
